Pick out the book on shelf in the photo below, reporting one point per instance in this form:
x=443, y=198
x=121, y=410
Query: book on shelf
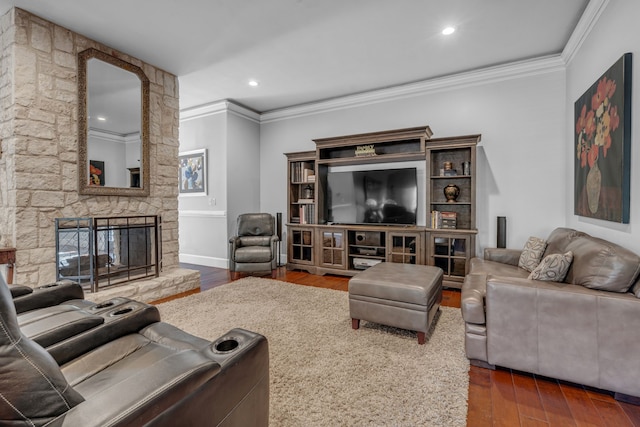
x=436, y=219
x=307, y=214
x=304, y=201
x=308, y=175
x=444, y=219
x=302, y=172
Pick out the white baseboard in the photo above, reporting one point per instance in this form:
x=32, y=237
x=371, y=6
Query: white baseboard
x=215, y=262
x=204, y=260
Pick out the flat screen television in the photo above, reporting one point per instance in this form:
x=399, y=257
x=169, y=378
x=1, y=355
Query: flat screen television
x=385, y=196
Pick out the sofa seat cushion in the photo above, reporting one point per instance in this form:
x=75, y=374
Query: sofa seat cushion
x=132, y=379
x=495, y=268
x=599, y=264
x=253, y=254
x=254, y=241
x=117, y=360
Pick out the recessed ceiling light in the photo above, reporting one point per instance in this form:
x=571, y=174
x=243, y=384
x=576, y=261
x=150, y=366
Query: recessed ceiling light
x=448, y=30
x=253, y=83
x=101, y=118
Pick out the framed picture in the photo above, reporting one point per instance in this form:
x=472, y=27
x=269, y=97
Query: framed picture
x=193, y=172
x=602, y=143
x=96, y=173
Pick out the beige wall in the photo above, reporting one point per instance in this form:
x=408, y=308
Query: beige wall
x=38, y=127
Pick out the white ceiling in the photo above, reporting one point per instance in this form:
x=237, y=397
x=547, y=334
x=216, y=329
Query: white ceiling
x=301, y=51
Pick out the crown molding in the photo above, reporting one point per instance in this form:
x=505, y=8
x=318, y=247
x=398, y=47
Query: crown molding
x=509, y=71
x=588, y=19
x=514, y=70
x=114, y=137
x=223, y=106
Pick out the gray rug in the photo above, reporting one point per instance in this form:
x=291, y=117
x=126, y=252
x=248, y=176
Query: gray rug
x=323, y=373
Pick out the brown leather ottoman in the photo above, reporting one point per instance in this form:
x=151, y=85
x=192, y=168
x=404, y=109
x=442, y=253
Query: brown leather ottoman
x=405, y=296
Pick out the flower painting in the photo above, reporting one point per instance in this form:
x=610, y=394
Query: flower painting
x=96, y=173
x=193, y=172
x=603, y=145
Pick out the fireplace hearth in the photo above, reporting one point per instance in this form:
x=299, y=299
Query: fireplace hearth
x=101, y=252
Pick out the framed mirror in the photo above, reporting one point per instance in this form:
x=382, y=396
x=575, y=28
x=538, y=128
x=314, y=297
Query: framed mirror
x=113, y=126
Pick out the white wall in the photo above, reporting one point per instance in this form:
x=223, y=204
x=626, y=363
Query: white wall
x=203, y=219
x=615, y=33
x=112, y=153
x=243, y=173
x=521, y=160
x=133, y=151
x=233, y=143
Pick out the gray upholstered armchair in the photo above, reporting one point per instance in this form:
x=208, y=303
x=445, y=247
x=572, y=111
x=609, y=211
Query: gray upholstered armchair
x=254, y=248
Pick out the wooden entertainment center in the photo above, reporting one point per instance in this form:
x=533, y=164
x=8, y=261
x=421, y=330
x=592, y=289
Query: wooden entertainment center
x=444, y=237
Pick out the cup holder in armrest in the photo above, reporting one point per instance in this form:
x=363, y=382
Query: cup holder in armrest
x=226, y=345
x=233, y=346
x=121, y=311
x=109, y=304
x=127, y=310
x=103, y=305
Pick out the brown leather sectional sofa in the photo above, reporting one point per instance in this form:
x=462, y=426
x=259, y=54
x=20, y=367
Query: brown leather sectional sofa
x=78, y=363
x=584, y=330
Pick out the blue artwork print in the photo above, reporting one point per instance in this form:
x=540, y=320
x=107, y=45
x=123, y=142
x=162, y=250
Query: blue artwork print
x=193, y=172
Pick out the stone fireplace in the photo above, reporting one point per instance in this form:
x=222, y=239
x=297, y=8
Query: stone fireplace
x=39, y=154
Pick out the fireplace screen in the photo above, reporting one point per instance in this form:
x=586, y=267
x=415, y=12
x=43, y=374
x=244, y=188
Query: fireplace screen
x=101, y=252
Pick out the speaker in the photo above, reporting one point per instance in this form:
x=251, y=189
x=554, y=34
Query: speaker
x=368, y=238
x=279, y=225
x=502, y=232
x=279, y=233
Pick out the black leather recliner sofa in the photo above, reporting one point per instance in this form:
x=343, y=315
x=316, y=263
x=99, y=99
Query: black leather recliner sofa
x=117, y=364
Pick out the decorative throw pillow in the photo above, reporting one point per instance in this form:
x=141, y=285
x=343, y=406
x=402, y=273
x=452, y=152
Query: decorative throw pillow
x=553, y=268
x=532, y=253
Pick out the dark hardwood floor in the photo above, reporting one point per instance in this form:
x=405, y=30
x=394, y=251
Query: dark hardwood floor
x=496, y=398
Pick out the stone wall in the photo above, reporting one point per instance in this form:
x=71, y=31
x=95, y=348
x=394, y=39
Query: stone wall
x=38, y=127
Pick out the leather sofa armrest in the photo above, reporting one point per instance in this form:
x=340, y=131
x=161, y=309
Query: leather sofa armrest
x=19, y=290
x=505, y=256
x=48, y=295
x=171, y=336
x=472, y=301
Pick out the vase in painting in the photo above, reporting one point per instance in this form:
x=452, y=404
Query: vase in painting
x=593, y=186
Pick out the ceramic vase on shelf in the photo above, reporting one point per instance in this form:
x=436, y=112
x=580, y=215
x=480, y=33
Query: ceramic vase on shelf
x=451, y=192
x=593, y=185
x=308, y=192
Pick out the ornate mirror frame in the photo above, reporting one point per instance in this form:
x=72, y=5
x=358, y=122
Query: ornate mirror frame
x=83, y=115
